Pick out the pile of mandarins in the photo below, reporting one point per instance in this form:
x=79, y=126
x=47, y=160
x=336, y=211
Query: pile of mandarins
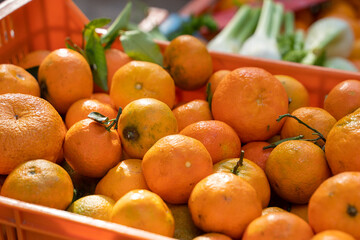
x=251, y=161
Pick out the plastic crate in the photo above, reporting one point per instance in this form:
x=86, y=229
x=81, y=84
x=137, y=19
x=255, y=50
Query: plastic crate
x=27, y=25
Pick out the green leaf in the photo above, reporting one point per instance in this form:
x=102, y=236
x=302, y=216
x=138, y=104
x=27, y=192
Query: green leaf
x=139, y=46
x=98, y=23
x=120, y=23
x=96, y=56
x=91, y=26
x=98, y=117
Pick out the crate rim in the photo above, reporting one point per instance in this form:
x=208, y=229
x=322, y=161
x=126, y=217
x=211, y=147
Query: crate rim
x=21, y=206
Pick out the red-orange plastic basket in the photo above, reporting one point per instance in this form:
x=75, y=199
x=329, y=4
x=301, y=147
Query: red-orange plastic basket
x=27, y=25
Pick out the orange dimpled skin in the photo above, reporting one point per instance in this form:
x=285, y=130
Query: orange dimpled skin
x=90, y=149
x=295, y=169
x=315, y=117
x=30, y=129
x=125, y=176
x=219, y=138
x=224, y=203
x=336, y=204
x=250, y=100
x=343, y=99
x=65, y=77
x=342, y=144
x=80, y=110
x=142, y=123
x=173, y=165
x=251, y=173
x=139, y=79
x=192, y=112
x=188, y=61
x=332, y=235
x=144, y=210
x=15, y=79
x=277, y=226
x=39, y=182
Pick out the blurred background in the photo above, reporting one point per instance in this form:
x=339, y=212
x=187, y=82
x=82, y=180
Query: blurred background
x=111, y=8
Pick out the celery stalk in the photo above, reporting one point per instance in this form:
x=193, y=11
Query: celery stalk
x=263, y=42
x=226, y=40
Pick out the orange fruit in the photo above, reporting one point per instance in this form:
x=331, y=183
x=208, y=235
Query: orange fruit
x=30, y=129
x=297, y=93
x=355, y=53
x=279, y=225
x=251, y=173
x=295, y=169
x=40, y=182
x=115, y=59
x=33, y=59
x=65, y=77
x=90, y=149
x=339, y=8
x=224, y=203
x=332, y=235
x=139, y=79
x=142, y=123
x=192, y=112
x=95, y=206
x=15, y=79
x=188, y=61
x=269, y=210
x=184, y=225
x=173, y=165
x=216, y=78
x=254, y=152
x=315, y=117
x=335, y=204
x=103, y=98
x=300, y=210
x=341, y=148
x=220, y=139
x=144, y=210
x=212, y=236
x=125, y=176
x=250, y=100
x=343, y=99
x=80, y=110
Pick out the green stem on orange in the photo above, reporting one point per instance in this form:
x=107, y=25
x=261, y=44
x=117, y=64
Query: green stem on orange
x=273, y=145
x=316, y=132
x=108, y=124
x=239, y=163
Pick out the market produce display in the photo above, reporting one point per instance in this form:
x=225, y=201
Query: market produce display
x=124, y=129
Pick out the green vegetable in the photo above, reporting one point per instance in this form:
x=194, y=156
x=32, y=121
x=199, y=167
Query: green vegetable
x=263, y=42
x=340, y=63
x=291, y=42
x=332, y=36
x=239, y=28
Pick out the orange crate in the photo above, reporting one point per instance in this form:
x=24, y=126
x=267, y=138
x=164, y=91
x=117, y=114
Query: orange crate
x=27, y=25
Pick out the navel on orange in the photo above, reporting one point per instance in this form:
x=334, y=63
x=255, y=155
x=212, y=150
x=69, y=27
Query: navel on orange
x=173, y=165
x=30, y=129
x=40, y=182
x=15, y=79
x=139, y=79
x=250, y=100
